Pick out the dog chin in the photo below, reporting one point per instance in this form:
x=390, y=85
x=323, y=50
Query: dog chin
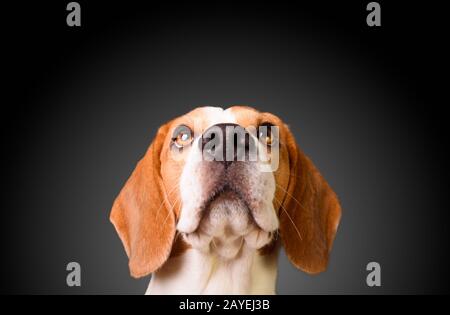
x=226, y=226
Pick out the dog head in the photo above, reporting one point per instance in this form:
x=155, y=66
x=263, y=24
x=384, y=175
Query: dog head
x=224, y=179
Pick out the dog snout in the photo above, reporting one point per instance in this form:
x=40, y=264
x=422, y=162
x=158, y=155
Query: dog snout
x=226, y=143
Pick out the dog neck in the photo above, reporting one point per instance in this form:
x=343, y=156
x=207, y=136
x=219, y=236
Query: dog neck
x=197, y=272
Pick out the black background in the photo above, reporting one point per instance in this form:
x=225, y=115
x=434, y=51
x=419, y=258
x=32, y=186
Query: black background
x=81, y=104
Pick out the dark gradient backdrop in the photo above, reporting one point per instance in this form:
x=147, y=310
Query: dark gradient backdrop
x=81, y=105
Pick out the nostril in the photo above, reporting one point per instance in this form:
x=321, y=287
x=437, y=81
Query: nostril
x=206, y=139
x=226, y=143
x=246, y=141
x=227, y=163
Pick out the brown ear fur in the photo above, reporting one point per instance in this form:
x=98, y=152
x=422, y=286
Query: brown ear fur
x=140, y=215
x=314, y=209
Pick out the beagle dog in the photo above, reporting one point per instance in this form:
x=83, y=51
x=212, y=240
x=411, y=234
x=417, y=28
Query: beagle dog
x=215, y=225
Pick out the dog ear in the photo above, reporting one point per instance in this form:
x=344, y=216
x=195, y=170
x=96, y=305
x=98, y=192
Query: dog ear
x=311, y=213
x=143, y=220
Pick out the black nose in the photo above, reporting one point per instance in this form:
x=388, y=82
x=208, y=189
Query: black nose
x=225, y=143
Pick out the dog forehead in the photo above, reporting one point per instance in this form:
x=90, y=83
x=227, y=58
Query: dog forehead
x=205, y=117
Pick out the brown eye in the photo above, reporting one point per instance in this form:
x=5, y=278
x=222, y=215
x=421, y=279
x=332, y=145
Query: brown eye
x=266, y=134
x=182, y=136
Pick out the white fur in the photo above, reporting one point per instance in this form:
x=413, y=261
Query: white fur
x=224, y=256
x=190, y=186
x=195, y=272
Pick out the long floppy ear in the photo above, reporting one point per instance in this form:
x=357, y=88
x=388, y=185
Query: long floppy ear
x=140, y=215
x=314, y=209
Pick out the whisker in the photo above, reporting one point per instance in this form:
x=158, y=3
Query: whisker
x=292, y=221
x=290, y=174
x=213, y=243
x=171, y=210
x=295, y=199
x=166, y=198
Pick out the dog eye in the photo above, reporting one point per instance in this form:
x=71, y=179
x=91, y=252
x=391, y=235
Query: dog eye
x=182, y=136
x=265, y=134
